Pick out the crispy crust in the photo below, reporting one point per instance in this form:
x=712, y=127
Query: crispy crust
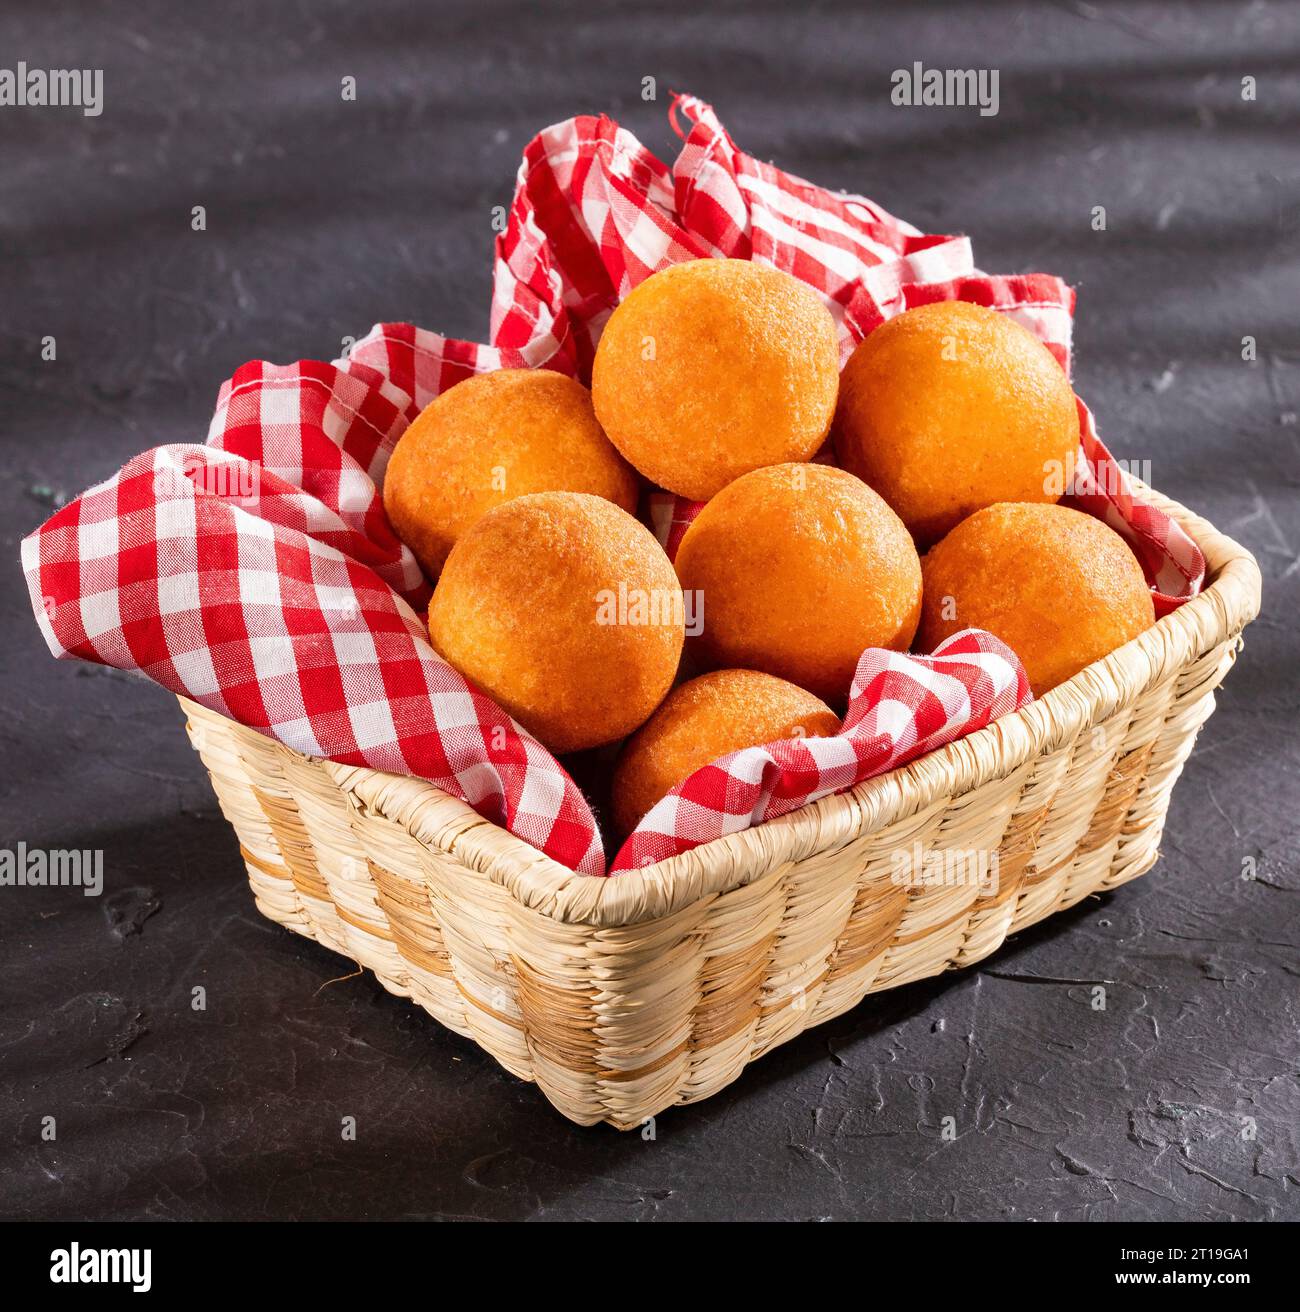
x=490, y=438
x=1061, y=588
x=801, y=567
x=952, y=407
x=702, y=720
x=528, y=609
x=744, y=372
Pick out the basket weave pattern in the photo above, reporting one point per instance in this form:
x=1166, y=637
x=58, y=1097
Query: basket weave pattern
x=623, y=996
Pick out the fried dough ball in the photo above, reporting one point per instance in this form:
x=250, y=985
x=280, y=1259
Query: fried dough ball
x=490, y=438
x=801, y=568
x=1060, y=588
x=703, y=720
x=952, y=407
x=565, y=610
x=715, y=367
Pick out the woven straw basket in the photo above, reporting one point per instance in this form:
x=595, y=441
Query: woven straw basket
x=624, y=996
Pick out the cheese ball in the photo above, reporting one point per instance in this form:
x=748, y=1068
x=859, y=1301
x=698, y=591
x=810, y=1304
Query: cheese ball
x=703, y=720
x=801, y=568
x=565, y=610
x=715, y=367
x=1059, y=587
x=951, y=407
x=491, y=438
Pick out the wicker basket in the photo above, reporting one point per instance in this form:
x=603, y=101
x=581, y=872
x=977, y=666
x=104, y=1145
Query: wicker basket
x=624, y=996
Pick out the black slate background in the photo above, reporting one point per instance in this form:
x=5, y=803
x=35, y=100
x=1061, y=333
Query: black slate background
x=325, y=216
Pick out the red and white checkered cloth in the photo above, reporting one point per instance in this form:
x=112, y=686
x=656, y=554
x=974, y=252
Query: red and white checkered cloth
x=900, y=707
x=258, y=575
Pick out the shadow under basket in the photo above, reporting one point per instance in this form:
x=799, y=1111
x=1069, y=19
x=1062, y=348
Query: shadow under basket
x=623, y=996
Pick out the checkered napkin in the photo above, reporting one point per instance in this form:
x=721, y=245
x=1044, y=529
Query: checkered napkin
x=900, y=707
x=258, y=576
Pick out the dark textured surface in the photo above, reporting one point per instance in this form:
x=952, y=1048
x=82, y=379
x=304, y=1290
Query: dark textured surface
x=325, y=216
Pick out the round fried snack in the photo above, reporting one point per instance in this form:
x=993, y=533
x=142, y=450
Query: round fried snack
x=565, y=610
x=715, y=367
x=801, y=568
x=491, y=438
x=951, y=407
x=703, y=720
x=1059, y=587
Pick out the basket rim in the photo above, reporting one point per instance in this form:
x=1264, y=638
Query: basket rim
x=442, y=822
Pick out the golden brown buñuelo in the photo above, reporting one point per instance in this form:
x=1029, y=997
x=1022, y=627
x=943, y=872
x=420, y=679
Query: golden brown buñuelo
x=702, y=720
x=490, y=438
x=800, y=568
x=713, y=368
x=566, y=611
x=1059, y=587
x=952, y=407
